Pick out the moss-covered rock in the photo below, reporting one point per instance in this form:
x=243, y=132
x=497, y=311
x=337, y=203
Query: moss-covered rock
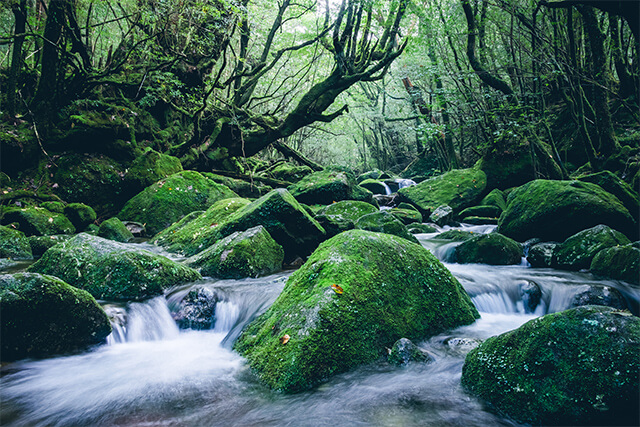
x=42, y=316
x=38, y=221
x=250, y=253
x=112, y=270
x=542, y=254
x=416, y=228
x=618, y=262
x=576, y=367
x=92, y=179
x=342, y=216
x=372, y=174
x=599, y=295
x=114, y=229
x=358, y=293
x=168, y=200
x=57, y=207
x=404, y=351
x=375, y=186
x=384, y=222
x=80, y=215
x=457, y=235
x=290, y=172
x=480, y=220
x=286, y=221
x=40, y=244
x=198, y=234
x=327, y=186
x=492, y=248
x=614, y=185
x=14, y=244
x=555, y=210
x=248, y=190
x=148, y=169
x=407, y=216
x=577, y=251
x=486, y=211
x=459, y=188
x=495, y=198
x=197, y=309
x=442, y=215
x=507, y=165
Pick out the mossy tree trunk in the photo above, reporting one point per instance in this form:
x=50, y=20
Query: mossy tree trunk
x=19, y=10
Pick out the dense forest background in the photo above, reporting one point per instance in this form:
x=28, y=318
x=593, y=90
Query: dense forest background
x=530, y=88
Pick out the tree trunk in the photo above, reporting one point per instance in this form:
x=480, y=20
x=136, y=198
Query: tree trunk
x=20, y=13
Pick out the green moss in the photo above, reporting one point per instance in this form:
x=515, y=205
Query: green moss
x=148, y=169
x=416, y=228
x=555, y=210
x=390, y=288
x=14, y=244
x=480, y=220
x=80, y=215
x=577, y=251
x=168, y=200
x=289, y=172
x=250, y=253
x=495, y=198
x=198, y=234
x=487, y=211
x=614, y=185
x=492, y=249
x=407, y=216
x=39, y=221
x=244, y=189
x=458, y=188
x=114, y=229
x=111, y=270
x=341, y=216
x=40, y=244
x=618, y=262
x=324, y=187
x=457, y=235
x=57, y=207
x=43, y=316
x=384, y=222
x=576, y=367
x=375, y=186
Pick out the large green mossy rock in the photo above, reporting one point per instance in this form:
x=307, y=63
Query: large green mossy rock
x=192, y=235
x=492, y=248
x=614, y=185
x=328, y=186
x=148, y=169
x=249, y=190
x=283, y=217
x=407, y=216
x=618, y=262
x=577, y=251
x=385, y=222
x=114, y=229
x=250, y=253
x=111, y=270
x=576, y=367
x=40, y=244
x=555, y=210
x=168, y=200
x=42, y=316
x=39, y=221
x=375, y=186
x=357, y=294
x=486, y=211
x=342, y=216
x=495, y=198
x=289, y=172
x=459, y=188
x=14, y=244
x=80, y=215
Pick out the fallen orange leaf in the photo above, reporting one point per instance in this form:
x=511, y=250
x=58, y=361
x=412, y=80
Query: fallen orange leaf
x=284, y=339
x=337, y=288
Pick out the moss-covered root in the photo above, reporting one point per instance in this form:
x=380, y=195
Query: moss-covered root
x=576, y=367
x=357, y=294
x=43, y=316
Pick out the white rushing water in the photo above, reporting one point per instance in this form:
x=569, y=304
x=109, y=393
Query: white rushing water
x=152, y=373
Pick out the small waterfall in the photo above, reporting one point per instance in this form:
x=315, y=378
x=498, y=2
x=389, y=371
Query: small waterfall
x=387, y=189
x=227, y=315
x=403, y=183
x=142, y=321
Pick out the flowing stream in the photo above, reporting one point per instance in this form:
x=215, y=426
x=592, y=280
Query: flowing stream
x=151, y=373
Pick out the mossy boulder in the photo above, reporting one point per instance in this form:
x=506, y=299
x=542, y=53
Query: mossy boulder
x=282, y=216
x=357, y=294
x=442, y=215
x=197, y=309
x=14, y=244
x=250, y=253
x=543, y=254
x=576, y=367
x=457, y=235
x=384, y=222
x=111, y=270
x=80, y=215
x=242, y=188
x=599, y=295
x=404, y=351
x=114, y=229
x=495, y=198
x=492, y=248
x=375, y=186
x=168, y=200
x=614, y=185
x=342, y=216
x=486, y=211
x=373, y=174
x=148, y=169
x=480, y=220
x=416, y=228
x=326, y=187
x=555, y=210
x=407, y=216
x=577, y=251
x=199, y=233
x=37, y=221
x=40, y=244
x=459, y=188
x=290, y=172
x=618, y=262
x=43, y=316
x=57, y=207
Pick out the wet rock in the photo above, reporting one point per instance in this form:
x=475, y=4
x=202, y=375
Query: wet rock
x=168, y=200
x=250, y=253
x=197, y=309
x=495, y=198
x=329, y=186
x=43, y=316
x=577, y=251
x=384, y=222
x=486, y=211
x=480, y=220
x=373, y=174
x=531, y=294
x=442, y=215
x=385, y=200
x=38, y=221
x=576, y=367
x=112, y=270
x=136, y=228
x=619, y=262
x=407, y=216
x=416, y=228
x=599, y=295
x=555, y=210
x=14, y=244
x=80, y=215
x=342, y=216
x=543, y=254
x=375, y=186
x=405, y=351
x=457, y=235
x=114, y=229
x=461, y=345
x=492, y=248
x=341, y=309
x=40, y=244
